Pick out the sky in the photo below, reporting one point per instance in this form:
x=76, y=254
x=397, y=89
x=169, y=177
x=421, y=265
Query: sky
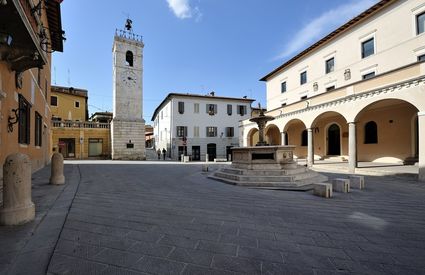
x=192, y=46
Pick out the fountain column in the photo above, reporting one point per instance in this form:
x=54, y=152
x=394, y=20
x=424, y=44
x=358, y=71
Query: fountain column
x=310, y=151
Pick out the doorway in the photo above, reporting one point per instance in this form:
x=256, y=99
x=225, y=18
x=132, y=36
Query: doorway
x=211, y=151
x=196, y=152
x=334, y=141
x=67, y=147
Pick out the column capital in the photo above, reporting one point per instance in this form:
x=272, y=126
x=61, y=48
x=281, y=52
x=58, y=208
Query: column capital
x=421, y=113
x=352, y=122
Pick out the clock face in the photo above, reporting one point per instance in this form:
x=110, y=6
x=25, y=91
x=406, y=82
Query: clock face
x=129, y=78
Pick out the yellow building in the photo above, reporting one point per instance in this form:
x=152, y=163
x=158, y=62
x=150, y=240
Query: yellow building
x=357, y=94
x=73, y=135
x=29, y=33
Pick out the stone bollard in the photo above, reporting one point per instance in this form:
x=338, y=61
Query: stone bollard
x=322, y=190
x=206, y=158
x=357, y=182
x=341, y=185
x=57, y=176
x=18, y=207
x=204, y=168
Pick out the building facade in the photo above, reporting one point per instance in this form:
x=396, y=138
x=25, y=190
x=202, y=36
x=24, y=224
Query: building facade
x=72, y=134
x=358, y=93
x=29, y=33
x=128, y=125
x=198, y=125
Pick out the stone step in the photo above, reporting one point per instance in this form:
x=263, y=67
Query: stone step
x=266, y=185
x=280, y=172
x=252, y=178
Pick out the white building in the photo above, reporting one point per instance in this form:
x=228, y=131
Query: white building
x=357, y=93
x=196, y=125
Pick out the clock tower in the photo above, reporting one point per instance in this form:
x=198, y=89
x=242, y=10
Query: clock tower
x=127, y=126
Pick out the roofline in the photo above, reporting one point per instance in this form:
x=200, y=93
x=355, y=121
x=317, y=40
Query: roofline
x=171, y=95
x=65, y=90
x=339, y=31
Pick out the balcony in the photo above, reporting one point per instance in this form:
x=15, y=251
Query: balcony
x=80, y=124
x=25, y=41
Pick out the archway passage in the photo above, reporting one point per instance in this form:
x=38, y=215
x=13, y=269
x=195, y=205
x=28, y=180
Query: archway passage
x=294, y=132
x=334, y=140
x=253, y=137
x=387, y=132
x=273, y=135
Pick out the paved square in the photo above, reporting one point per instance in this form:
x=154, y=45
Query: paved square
x=170, y=219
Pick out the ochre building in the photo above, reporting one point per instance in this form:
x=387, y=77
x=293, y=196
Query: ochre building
x=29, y=33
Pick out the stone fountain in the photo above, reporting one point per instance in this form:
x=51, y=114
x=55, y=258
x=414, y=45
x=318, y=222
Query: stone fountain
x=270, y=166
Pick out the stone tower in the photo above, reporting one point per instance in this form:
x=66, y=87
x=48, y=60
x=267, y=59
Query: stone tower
x=127, y=126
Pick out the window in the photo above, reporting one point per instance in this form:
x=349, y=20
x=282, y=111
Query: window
x=283, y=87
x=241, y=110
x=370, y=133
x=38, y=129
x=211, y=131
x=181, y=131
x=304, y=138
x=330, y=65
x=368, y=47
x=129, y=58
x=196, y=131
x=421, y=58
x=368, y=75
x=196, y=108
x=420, y=23
x=303, y=97
x=77, y=104
x=181, y=107
x=211, y=109
x=330, y=88
x=24, y=121
x=230, y=131
x=229, y=109
x=54, y=100
x=303, y=77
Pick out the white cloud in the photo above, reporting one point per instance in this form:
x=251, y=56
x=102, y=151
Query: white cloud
x=183, y=10
x=323, y=24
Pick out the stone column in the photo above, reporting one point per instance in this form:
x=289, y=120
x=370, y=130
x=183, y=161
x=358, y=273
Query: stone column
x=421, y=143
x=57, y=176
x=18, y=207
x=352, y=147
x=283, y=138
x=310, y=150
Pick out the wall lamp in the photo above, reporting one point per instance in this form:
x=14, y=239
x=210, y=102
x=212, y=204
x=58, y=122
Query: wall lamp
x=13, y=120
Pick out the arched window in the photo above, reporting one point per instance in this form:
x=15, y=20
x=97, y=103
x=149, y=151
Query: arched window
x=370, y=133
x=304, y=138
x=129, y=58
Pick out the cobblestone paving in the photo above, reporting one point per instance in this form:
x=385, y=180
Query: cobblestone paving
x=170, y=219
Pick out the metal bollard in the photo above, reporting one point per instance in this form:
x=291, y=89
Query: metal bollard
x=18, y=207
x=57, y=176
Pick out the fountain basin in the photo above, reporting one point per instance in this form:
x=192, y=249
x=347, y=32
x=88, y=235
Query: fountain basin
x=264, y=157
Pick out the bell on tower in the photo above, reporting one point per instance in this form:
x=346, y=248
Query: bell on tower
x=127, y=125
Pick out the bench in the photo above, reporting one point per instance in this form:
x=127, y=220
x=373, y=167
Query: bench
x=357, y=182
x=322, y=190
x=341, y=185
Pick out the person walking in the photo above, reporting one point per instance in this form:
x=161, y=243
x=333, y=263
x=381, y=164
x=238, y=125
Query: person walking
x=159, y=153
x=163, y=152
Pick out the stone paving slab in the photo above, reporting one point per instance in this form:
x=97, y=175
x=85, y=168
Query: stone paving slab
x=164, y=218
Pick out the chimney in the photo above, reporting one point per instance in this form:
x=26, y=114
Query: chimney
x=212, y=93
